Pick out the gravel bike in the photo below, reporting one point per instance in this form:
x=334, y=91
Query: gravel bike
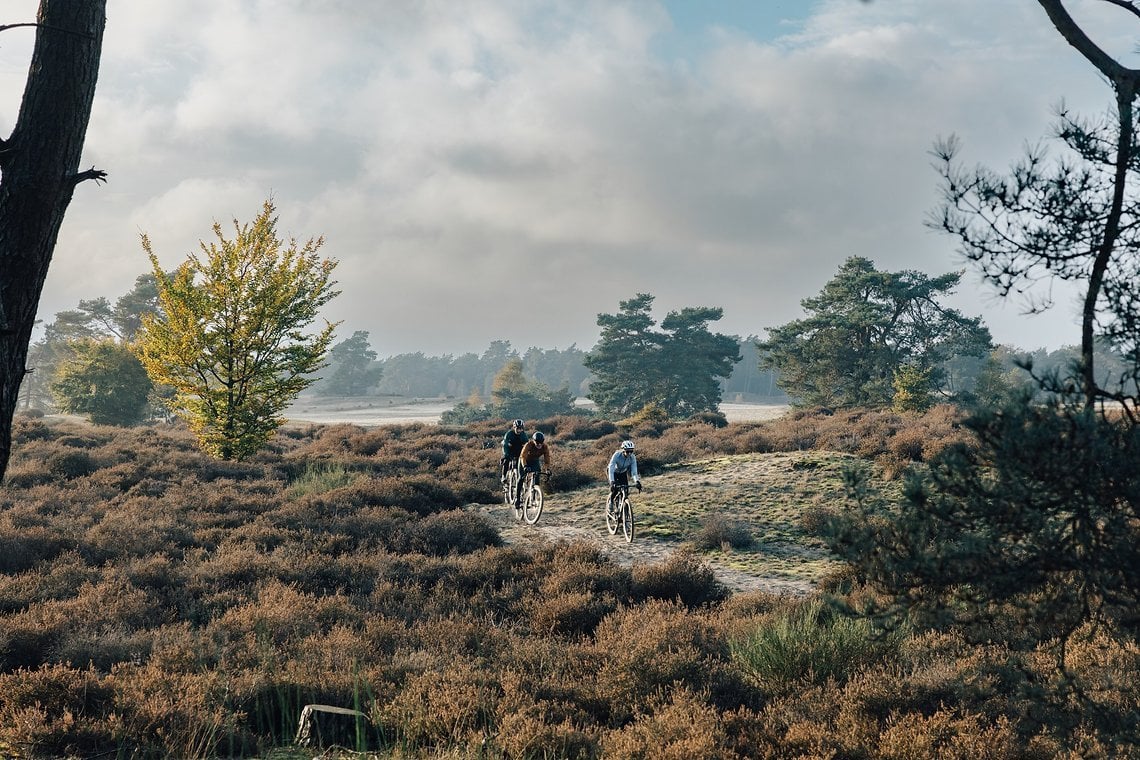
x=619, y=511
x=532, y=496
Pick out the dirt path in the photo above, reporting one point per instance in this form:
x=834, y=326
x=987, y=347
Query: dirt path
x=768, y=493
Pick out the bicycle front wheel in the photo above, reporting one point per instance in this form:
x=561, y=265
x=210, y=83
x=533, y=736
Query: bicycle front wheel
x=627, y=520
x=508, y=490
x=532, y=507
x=513, y=485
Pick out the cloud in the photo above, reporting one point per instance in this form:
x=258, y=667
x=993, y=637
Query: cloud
x=508, y=169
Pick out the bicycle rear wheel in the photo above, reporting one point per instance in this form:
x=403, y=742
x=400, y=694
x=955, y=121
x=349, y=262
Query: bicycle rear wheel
x=627, y=519
x=532, y=506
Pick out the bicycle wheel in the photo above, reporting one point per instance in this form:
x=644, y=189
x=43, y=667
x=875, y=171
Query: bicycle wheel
x=612, y=515
x=627, y=519
x=508, y=495
x=513, y=481
x=532, y=506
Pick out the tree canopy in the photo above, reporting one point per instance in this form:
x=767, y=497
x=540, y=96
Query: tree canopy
x=230, y=337
x=863, y=329
x=675, y=368
x=103, y=380
x=354, y=370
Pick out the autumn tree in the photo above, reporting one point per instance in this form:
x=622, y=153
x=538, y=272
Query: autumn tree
x=513, y=394
x=39, y=171
x=230, y=337
x=675, y=368
x=508, y=380
x=868, y=330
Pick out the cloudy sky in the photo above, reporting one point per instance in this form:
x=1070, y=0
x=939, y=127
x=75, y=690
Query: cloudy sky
x=509, y=169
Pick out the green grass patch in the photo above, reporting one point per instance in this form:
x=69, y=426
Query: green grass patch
x=321, y=477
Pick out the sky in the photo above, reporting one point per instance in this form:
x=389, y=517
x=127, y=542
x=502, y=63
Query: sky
x=510, y=169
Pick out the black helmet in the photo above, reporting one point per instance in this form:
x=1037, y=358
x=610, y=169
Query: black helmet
x=538, y=436
x=517, y=423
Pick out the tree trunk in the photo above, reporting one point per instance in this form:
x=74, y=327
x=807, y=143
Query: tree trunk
x=39, y=169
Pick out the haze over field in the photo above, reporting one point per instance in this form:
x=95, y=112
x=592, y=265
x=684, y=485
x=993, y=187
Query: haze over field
x=467, y=162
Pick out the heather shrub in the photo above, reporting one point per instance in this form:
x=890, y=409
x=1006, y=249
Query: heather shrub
x=172, y=714
x=574, y=428
x=29, y=428
x=55, y=579
x=712, y=419
x=652, y=646
x=679, y=725
x=571, y=478
x=100, y=648
x=721, y=532
x=421, y=494
x=70, y=464
x=579, y=589
x=455, y=531
x=682, y=577
x=452, y=706
x=530, y=732
x=56, y=711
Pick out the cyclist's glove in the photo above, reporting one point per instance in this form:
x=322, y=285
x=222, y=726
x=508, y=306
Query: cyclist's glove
x=638, y=484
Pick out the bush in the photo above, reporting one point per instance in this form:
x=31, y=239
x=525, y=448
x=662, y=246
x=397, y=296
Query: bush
x=454, y=531
x=720, y=532
x=806, y=643
x=71, y=464
x=682, y=577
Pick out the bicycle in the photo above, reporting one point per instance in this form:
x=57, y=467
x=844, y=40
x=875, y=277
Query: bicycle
x=619, y=511
x=532, y=497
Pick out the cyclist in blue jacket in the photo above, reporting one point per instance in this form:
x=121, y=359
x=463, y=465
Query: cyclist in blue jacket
x=623, y=465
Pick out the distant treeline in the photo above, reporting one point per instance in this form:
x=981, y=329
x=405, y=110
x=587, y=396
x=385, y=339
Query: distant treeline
x=418, y=375
x=463, y=376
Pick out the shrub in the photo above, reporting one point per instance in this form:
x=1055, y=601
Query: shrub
x=713, y=419
x=682, y=577
x=681, y=727
x=720, y=532
x=71, y=464
x=806, y=643
x=454, y=531
x=320, y=477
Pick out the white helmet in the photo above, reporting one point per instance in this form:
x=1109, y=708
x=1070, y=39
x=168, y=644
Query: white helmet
x=627, y=445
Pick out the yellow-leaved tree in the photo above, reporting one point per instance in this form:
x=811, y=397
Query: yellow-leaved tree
x=230, y=338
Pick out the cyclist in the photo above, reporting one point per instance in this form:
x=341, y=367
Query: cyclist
x=623, y=464
x=533, y=454
x=513, y=442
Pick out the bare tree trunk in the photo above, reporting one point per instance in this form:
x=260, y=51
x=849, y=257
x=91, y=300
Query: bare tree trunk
x=39, y=169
